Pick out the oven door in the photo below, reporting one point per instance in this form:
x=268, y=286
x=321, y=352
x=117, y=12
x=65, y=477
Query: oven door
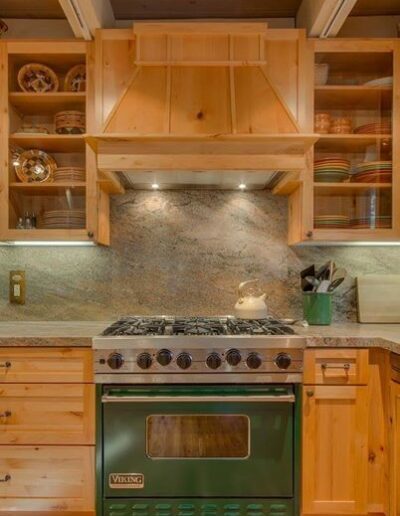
x=198, y=441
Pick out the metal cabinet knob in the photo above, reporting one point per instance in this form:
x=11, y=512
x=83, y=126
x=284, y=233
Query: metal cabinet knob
x=310, y=393
x=309, y=234
x=5, y=365
x=6, y=478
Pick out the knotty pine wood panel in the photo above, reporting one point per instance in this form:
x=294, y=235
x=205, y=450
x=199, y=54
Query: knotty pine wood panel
x=46, y=365
x=336, y=361
x=47, y=478
x=43, y=414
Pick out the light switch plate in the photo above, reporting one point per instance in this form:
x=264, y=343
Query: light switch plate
x=17, y=287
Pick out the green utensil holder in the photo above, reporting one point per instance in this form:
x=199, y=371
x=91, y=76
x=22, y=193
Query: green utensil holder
x=317, y=308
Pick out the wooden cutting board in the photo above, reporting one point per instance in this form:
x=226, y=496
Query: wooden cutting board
x=378, y=298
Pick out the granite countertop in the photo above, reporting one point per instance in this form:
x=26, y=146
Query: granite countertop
x=80, y=334
x=54, y=333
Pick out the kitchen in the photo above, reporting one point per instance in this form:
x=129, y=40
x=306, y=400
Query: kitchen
x=205, y=161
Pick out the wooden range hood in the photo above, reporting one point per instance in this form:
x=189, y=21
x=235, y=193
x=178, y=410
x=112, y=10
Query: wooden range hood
x=199, y=108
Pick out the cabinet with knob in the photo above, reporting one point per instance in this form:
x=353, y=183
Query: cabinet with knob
x=335, y=433
x=46, y=430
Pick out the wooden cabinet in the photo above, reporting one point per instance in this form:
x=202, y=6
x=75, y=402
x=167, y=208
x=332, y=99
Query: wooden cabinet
x=351, y=190
x=335, y=453
x=336, y=367
x=47, y=404
x=335, y=432
x=31, y=414
x=46, y=478
x=67, y=204
x=45, y=365
x=395, y=448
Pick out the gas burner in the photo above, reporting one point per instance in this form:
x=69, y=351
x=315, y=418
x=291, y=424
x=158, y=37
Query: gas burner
x=137, y=326
x=198, y=326
x=268, y=326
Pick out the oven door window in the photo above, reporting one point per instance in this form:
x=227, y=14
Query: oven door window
x=198, y=436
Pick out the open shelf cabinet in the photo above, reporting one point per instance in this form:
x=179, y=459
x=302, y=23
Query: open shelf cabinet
x=21, y=110
x=351, y=188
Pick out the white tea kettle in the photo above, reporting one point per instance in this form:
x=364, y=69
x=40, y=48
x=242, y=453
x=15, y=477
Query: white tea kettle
x=250, y=305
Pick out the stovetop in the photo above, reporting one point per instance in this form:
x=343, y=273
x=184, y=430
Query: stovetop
x=216, y=326
x=167, y=349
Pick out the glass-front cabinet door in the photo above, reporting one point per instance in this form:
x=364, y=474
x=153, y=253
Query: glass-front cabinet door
x=355, y=163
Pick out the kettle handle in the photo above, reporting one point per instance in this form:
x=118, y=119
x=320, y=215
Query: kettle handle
x=244, y=284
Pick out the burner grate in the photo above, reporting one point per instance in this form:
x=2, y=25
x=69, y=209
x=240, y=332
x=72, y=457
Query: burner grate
x=137, y=326
x=198, y=326
x=268, y=326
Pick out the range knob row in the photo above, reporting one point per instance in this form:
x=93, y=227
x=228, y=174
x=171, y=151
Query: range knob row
x=184, y=360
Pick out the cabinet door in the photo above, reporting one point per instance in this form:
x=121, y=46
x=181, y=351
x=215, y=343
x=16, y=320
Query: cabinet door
x=46, y=365
x=335, y=453
x=43, y=414
x=48, y=478
x=395, y=455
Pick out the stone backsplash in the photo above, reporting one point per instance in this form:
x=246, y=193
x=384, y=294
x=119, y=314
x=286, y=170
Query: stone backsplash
x=181, y=252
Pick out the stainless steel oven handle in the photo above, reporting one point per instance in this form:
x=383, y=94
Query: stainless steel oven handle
x=287, y=398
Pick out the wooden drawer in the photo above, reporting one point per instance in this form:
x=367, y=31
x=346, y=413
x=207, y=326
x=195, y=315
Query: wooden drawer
x=43, y=414
x=47, y=478
x=46, y=365
x=336, y=366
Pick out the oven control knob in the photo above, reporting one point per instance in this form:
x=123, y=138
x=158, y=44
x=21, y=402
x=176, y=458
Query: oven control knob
x=115, y=361
x=283, y=360
x=164, y=357
x=233, y=357
x=213, y=361
x=184, y=360
x=144, y=360
x=253, y=361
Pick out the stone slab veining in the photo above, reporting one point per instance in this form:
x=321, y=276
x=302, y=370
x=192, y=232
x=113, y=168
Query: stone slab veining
x=80, y=334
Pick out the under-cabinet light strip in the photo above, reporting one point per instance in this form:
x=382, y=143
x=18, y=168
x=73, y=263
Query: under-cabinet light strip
x=47, y=243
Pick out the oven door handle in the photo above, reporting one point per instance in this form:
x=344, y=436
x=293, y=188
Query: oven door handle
x=284, y=398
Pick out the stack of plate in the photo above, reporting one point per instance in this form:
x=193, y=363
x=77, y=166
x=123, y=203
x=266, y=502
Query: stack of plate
x=380, y=222
x=331, y=221
x=69, y=174
x=64, y=219
x=373, y=172
x=374, y=128
x=331, y=170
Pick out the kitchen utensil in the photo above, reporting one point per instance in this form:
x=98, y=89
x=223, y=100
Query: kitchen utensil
x=250, y=305
x=308, y=271
x=323, y=286
x=37, y=78
x=335, y=283
x=378, y=298
x=339, y=273
x=314, y=282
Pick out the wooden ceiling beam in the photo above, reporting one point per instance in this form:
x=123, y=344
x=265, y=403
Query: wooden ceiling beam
x=85, y=16
x=323, y=18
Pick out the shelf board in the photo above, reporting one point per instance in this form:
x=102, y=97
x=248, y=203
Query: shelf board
x=47, y=103
x=21, y=235
x=348, y=188
x=350, y=142
x=50, y=142
x=353, y=97
x=56, y=188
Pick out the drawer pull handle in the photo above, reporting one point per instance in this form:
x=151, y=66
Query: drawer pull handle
x=6, y=414
x=5, y=365
x=325, y=366
x=6, y=478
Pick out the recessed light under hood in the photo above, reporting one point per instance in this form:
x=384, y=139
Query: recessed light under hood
x=200, y=110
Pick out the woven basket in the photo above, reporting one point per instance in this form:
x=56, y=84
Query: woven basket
x=70, y=122
x=37, y=78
